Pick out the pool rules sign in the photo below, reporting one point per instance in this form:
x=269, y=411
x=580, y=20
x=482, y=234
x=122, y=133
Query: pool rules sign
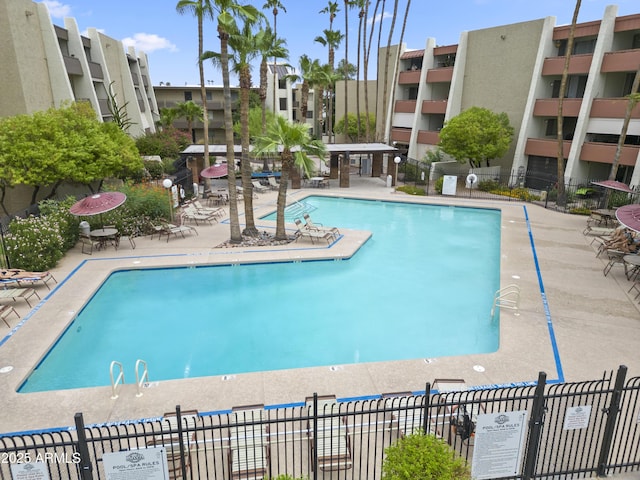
x=499, y=444
x=144, y=464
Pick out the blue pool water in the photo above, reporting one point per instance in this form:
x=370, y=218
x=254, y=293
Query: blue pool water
x=422, y=286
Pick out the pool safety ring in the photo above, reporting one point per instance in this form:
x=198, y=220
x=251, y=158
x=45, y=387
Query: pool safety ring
x=472, y=178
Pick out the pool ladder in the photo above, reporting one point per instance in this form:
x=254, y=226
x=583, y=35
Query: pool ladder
x=119, y=378
x=507, y=297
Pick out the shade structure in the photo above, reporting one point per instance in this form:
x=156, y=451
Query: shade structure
x=98, y=203
x=614, y=185
x=629, y=216
x=218, y=170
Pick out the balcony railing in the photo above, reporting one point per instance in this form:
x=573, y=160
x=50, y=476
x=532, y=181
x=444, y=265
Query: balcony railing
x=405, y=106
x=440, y=75
x=578, y=64
x=548, y=107
x=401, y=135
x=612, y=108
x=95, y=69
x=426, y=137
x=604, y=153
x=622, y=61
x=542, y=147
x=434, y=107
x=409, y=78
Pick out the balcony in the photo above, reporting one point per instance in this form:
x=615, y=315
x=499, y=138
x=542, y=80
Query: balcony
x=548, y=107
x=72, y=64
x=405, y=106
x=434, y=107
x=541, y=147
x=103, y=103
x=426, y=137
x=445, y=50
x=612, y=108
x=622, y=61
x=604, y=153
x=440, y=75
x=95, y=69
x=578, y=64
x=411, y=77
x=401, y=135
x=136, y=80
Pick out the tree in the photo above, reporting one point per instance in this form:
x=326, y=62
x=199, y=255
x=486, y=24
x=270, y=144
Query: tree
x=167, y=116
x=331, y=39
x=385, y=76
x=632, y=100
x=243, y=44
x=167, y=143
x=397, y=62
x=476, y=135
x=227, y=11
x=201, y=9
x=363, y=6
x=118, y=112
x=274, y=5
x=356, y=126
x=346, y=71
x=305, y=77
x=296, y=144
x=65, y=144
x=191, y=112
x=344, y=65
x=562, y=197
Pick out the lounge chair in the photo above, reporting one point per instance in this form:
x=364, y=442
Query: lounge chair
x=258, y=188
x=248, y=443
x=407, y=413
x=171, y=440
x=313, y=235
x=169, y=229
x=331, y=447
x=215, y=211
x=16, y=293
x=309, y=224
x=24, y=277
x=5, y=311
x=273, y=185
x=189, y=212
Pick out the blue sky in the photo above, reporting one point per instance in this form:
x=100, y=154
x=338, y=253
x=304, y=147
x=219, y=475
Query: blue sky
x=171, y=40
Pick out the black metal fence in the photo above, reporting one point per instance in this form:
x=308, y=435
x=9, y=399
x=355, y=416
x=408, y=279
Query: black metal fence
x=579, y=196
x=325, y=438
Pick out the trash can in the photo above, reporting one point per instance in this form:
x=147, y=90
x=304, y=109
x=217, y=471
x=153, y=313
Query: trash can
x=85, y=228
x=389, y=180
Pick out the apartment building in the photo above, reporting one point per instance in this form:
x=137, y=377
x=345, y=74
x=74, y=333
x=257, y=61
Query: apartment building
x=517, y=69
x=287, y=95
x=45, y=65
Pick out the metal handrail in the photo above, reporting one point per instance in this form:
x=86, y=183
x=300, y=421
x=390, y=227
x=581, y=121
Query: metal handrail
x=507, y=297
x=116, y=381
x=145, y=376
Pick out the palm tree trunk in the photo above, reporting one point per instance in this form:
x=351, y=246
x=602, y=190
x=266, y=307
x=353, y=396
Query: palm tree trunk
x=632, y=102
x=234, y=223
x=205, y=114
x=562, y=196
x=275, y=35
x=367, y=52
x=360, y=22
x=346, y=55
x=245, y=165
x=386, y=63
x=397, y=62
x=263, y=104
x=287, y=162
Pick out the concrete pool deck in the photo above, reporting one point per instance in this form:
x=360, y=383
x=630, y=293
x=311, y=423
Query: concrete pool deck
x=594, y=321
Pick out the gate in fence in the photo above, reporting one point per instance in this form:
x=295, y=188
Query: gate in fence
x=560, y=430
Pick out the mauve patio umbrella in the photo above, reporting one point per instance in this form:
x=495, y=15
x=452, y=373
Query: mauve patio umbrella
x=629, y=216
x=218, y=170
x=614, y=185
x=97, y=204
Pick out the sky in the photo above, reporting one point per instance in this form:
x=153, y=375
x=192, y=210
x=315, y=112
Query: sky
x=170, y=40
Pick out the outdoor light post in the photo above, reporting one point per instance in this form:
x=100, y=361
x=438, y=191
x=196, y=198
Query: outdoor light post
x=167, y=183
x=397, y=161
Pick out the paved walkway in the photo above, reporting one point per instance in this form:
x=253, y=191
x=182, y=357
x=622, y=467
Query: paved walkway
x=595, y=322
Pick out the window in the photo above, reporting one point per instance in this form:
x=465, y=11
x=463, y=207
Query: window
x=309, y=113
x=187, y=96
x=282, y=83
x=283, y=104
x=413, y=93
x=209, y=96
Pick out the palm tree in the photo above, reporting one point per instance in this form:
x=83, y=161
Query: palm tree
x=331, y=39
x=191, y=112
x=307, y=71
x=227, y=11
x=348, y=4
x=363, y=5
x=367, y=52
x=274, y=5
x=561, y=200
x=269, y=46
x=167, y=116
x=200, y=9
x=386, y=60
x=397, y=62
x=244, y=47
x=296, y=145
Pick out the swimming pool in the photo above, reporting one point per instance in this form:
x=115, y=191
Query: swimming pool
x=421, y=287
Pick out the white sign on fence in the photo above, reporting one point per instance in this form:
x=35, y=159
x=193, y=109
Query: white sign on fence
x=29, y=471
x=449, y=184
x=576, y=418
x=499, y=444
x=145, y=464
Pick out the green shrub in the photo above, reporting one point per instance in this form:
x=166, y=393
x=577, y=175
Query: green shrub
x=423, y=457
x=68, y=224
x=34, y=243
x=580, y=211
x=488, y=185
x=438, y=185
x=155, y=169
x=411, y=190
